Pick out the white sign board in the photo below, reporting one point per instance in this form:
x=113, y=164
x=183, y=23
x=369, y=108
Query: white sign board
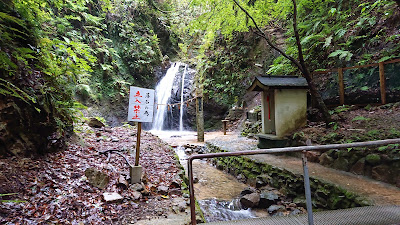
x=141, y=104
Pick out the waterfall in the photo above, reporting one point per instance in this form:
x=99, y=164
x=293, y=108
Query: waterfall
x=163, y=93
x=181, y=109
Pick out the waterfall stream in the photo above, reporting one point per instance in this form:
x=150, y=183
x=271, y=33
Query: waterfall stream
x=181, y=108
x=172, y=91
x=163, y=94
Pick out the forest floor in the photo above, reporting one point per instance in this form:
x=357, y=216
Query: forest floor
x=354, y=124
x=55, y=188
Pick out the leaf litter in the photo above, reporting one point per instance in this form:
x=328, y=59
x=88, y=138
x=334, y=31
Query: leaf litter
x=53, y=188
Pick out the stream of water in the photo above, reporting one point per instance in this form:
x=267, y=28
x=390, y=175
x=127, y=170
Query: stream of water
x=182, y=92
x=217, y=192
x=163, y=94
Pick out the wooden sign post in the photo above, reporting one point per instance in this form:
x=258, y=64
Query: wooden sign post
x=141, y=106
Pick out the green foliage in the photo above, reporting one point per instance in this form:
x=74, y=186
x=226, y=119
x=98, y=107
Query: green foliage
x=92, y=50
x=340, y=109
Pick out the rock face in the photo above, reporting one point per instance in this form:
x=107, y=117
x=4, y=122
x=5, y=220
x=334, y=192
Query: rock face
x=25, y=131
x=97, y=178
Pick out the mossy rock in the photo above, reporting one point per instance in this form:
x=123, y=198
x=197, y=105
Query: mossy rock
x=373, y=159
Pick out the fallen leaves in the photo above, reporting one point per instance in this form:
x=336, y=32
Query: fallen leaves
x=54, y=188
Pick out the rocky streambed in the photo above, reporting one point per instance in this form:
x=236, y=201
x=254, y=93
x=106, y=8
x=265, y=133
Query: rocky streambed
x=222, y=196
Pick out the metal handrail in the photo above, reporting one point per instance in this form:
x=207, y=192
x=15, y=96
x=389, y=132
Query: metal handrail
x=303, y=149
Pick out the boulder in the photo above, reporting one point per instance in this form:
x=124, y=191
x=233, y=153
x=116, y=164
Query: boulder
x=276, y=208
x=267, y=198
x=250, y=200
x=97, y=178
x=248, y=190
x=95, y=123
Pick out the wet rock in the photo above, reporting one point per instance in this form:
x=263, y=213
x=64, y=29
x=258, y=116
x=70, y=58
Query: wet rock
x=250, y=200
x=267, y=198
x=325, y=159
x=373, y=159
x=163, y=190
x=358, y=167
x=112, y=197
x=97, y=178
x=276, y=208
x=295, y=212
x=248, y=190
x=195, y=180
x=95, y=123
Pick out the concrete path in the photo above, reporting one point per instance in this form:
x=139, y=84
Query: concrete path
x=378, y=192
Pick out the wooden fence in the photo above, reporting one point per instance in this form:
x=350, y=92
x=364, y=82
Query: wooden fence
x=382, y=79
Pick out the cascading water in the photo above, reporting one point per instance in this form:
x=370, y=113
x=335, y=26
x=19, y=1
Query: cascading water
x=181, y=108
x=163, y=93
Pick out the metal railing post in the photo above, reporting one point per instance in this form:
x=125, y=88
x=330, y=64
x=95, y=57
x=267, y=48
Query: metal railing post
x=191, y=192
x=307, y=189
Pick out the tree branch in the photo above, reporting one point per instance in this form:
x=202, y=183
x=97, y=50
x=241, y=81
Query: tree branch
x=263, y=35
x=297, y=36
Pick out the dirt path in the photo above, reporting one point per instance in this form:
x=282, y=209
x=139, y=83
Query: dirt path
x=378, y=192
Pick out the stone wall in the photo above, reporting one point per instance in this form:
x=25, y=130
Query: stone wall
x=324, y=195
x=382, y=164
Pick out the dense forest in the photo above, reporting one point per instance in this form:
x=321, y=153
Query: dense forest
x=57, y=57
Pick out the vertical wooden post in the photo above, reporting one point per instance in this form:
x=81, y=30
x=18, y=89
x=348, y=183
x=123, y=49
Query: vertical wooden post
x=382, y=81
x=200, y=119
x=139, y=131
x=224, y=125
x=341, y=85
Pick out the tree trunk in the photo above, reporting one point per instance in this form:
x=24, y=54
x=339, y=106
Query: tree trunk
x=300, y=63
